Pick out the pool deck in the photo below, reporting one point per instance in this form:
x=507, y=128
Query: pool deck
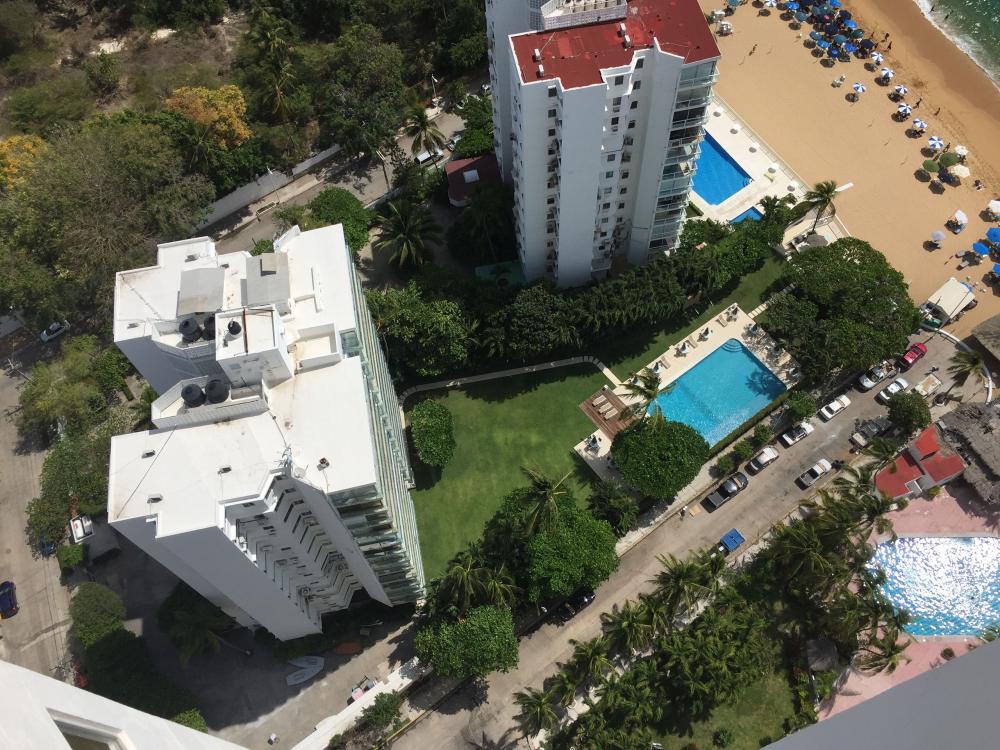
x=954, y=512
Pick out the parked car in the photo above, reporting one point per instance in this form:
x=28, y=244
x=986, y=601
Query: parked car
x=765, y=458
x=728, y=489
x=869, y=430
x=834, y=408
x=872, y=378
x=8, y=600
x=810, y=476
x=428, y=157
x=896, y=386
x=55, y=330
x=453, y=141
x=582, y=599
x=797, y=433
x=912, y=355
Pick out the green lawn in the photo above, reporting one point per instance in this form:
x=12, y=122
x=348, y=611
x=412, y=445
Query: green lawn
x=532, y=420
x=758, y=713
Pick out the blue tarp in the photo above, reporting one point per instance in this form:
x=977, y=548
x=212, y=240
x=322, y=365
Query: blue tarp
x=732, y=540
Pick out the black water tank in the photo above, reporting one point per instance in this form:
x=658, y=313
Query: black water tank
x=190, y=330
x=234, y=328
x=217, y=390
x=209, y=326
x=193, y=395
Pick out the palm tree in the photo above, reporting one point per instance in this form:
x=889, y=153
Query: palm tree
x=406, y=229
x=536, y=711
x=590, y=658
x=462, y=583
x=884, y=653
x=423, y=131
x=544, y=497
x=626, y=628
x=497, y=587
x=883, y=450
x=644, y=387
x=656, y=614
x=563, y=687
x=820, y=199
x=193, y=631
x=681, y=584
x=966, y=364
x=775, y=209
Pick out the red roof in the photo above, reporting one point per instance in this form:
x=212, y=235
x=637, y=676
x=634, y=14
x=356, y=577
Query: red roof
x=577, y=55
x=925, y=456
x=460, y=171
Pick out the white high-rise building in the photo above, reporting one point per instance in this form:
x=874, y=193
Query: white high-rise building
x=276, y=479
x=598, y=110
x=39, y=713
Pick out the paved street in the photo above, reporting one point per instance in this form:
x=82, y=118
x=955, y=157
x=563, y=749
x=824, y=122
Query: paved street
x=36, y=637
x=462, y=723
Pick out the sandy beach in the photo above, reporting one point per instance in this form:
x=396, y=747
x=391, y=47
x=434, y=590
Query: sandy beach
x=785, y=95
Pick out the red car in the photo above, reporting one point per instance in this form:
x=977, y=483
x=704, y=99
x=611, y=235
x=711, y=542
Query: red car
x=911, y=356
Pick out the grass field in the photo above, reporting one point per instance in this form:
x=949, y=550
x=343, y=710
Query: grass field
x=757, y=714
x=531, y=420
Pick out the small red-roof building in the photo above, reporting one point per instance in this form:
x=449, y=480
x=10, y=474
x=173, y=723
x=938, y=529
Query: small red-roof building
x=466, y=174
x=926, y=462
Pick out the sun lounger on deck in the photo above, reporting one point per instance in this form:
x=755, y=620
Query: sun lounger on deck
x=611, y=414
x=598, y=401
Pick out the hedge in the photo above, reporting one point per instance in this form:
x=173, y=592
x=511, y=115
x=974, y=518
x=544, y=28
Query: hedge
x=432, y=429
x=97, y=611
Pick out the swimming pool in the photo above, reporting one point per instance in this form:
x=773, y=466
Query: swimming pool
x=949, y=585
x=718, y=176
x=751, y=213
x=721, y=392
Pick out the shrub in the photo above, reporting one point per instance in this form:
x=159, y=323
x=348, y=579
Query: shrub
x=611, y=502
x=103, y=72
x=690, y=745
x=34, y=109
x=474, y=143
x=762, y=434
x=96, y=611
x=948, y=653
x=659, y=458
x=483, y=642
x=432, y=429
x=384, y=710
x=192, y=719
x=262, y=246
x=722, y=737
x=337, y=742
x=743, y=450
x=801, y=405
x=909, y=412
x=69, y=556
x=338, y=206
x=725, y=465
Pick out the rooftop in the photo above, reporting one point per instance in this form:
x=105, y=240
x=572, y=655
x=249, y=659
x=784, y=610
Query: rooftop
x=577, y=55
x=927, y=462
x=973, y=430
x=466, y=174
x=987, y=333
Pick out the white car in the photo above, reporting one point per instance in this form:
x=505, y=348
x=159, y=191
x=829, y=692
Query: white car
x=809, y=477
x=834, y=408
x=797, y=433
x=872, y=378
x=55, y=330
x=896, y=386
x=453, y=141
x=765, y=458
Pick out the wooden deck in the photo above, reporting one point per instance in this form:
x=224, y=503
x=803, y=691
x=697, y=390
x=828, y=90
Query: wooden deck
x=614, y=419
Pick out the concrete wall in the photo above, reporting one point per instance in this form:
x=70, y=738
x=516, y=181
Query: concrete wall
x=33, y=703
x=503, y=18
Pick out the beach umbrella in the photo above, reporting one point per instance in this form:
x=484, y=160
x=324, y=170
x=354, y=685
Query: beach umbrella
x=919, y=124
x=800, y=16
x=959, y=217
x=857, y=34
x=850, y=24
x=792, y=6
x=833, y=52
x=993, y=235
x=931, y=166
x=935, y=143
x=948, y=160
x=830, y=28
x=887, y=73
x=835, y=3
x=904, y=109
x=877, y=57
x=850, y=48
x=938, y=236
x=823, y=44
x=770, y=3
x=960, y=170
x=996, y=268
x=816, y=36
x=901, y=90
x=867, y=44
x=980, y=248
x=844, y=15
x=994, y=207
x=839, y=39
x=816, y=10
x=961, y=150
x=859, y=88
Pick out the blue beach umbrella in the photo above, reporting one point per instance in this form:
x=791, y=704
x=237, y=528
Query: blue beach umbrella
x=935, y=143
x=904, y=109
x=816, y=36
x=901, y=90
x=830, y=28
x=839, y=39
x=833, y=52
x=835, y=3
x=858, y=33
x=859, y=88
x=887, y=73
x=877, y=57
x=850, y=24
x=850, y=48
x=996, y=268
x=919, y=124
x=800, y=16
x=844, y=15
x=993, y=235
x=792, y=6
x=867, y=44
x=823, y=44
x=980, y=248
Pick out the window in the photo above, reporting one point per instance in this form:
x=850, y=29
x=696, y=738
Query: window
x=623, y=191
x=552, y=90
x=614, y=121
x=639, y=62
x=552, y=132
x=550, y=200
x=606, y=191
x=604, y=234
x=637, y=85
x=634, y=105
x=605, y=206
x=616, y=101
x=609, y=175
x=611, y=157
x=552, y=113
x=625, y=175
x=619, y=80
x=604, y=220
x=621, y=206
x=631, y=124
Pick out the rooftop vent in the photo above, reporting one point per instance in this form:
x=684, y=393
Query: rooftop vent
x=234, y=328
x=190, y=330
x=541, y=71
x=627, y=40
x=216, y=390
x=323, y=463
x=621, y=29
x=536, y=54
x=193, y=395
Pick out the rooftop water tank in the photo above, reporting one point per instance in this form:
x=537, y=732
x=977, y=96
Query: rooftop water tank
x=193, y=395
x=209, y=326
x=234, y=328
x=190, y=330
x=216, y=390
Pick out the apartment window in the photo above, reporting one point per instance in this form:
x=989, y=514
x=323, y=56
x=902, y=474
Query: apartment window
x=631, y=124
x=619, y=80
x=609, y=175
x=619, y=220
x=623, y=191
x=604, y=220
x=625, y=175
x=634, y=105
x=614, y=121
x=607, y=191
x=605, y=206
x=616, y=101
x=611, y=157
x=552, y=91
x=550, y=200
x=639, y=62
x=621, y=206
x=604, y=234
x=552, y=132
x=637, y=85
x=552, y=113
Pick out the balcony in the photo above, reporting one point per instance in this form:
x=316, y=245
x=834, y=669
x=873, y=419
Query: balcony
x=701, y=100
x=691, y=83
x=601, y=264
x=558, y=14
x=690, y=122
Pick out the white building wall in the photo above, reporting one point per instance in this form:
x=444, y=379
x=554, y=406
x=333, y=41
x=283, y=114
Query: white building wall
x=33, y=703
x=503, y=18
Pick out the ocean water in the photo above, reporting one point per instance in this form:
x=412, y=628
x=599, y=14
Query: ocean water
x=974, y=25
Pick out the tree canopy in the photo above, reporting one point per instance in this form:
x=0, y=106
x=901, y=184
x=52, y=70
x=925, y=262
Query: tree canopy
x=658, y=457
x=909, y=412
x=482, y=642
x=219, y=113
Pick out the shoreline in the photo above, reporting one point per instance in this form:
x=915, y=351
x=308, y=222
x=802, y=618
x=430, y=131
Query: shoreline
x=963, y=43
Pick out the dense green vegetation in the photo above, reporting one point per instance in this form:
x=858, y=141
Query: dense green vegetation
x=909, y=412
x=433, y=431
x=481, y=642
x=332, y=206
x=659, y=458
x=192, y=622
x=96, y=611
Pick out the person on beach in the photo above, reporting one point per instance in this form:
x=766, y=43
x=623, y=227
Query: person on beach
x=886, y=37
x=889, y=47
x=937, y=111
x=918, y=102
x=946, y=15
x=753, y=49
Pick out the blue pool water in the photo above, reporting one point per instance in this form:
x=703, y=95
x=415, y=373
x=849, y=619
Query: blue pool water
x=718, y=175
x=721, y=392
x=949, y=585
x=751, y=213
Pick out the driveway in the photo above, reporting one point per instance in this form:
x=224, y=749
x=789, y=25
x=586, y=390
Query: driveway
x=35, y=638
x=467, y=720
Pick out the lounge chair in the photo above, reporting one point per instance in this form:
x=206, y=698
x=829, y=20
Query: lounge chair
x=606, y=408
x=611, y=414
x=598, y=401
